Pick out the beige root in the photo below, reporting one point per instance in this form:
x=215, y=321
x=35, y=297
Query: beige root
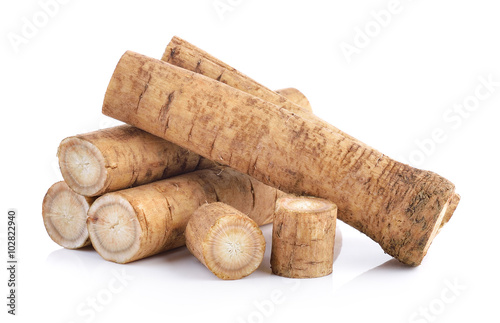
x=184, y=54
x=303, y=237
x=225, y=240
x=138, y=222
x=398, y=206
x=64, y=215
x=112, y=159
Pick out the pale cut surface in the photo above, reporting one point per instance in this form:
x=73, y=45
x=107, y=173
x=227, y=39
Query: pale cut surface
x=306, y=204
x=234, y=248
x=227, y=242
x=82, y=165
x=145, y=220
x=114, y=229
x=64, y=215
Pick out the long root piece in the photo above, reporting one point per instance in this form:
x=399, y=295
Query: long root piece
x=184, y=54
x=398, y=206
x=112, y=159
x=181, y=53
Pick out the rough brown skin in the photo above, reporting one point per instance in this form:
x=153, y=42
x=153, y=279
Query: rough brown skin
x=184, y=54
x=125, y=156
x=398, y=206
x=130, y=157
x=138, y=222
x=64, y=215
x=303, y=237
x=226, y=241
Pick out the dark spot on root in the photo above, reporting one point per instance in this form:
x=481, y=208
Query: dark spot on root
x=142, y=93
x=220, y=76
x=197, y=69
x=163, y=115
x=278, y=230
x=252, y=190
x=422, y=242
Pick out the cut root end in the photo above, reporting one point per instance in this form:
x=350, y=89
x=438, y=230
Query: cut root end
x=82, y=165
x=440, y=222
x=306, y=204
x=226, y=241
x=234, y=247
x=114, y=229
x=65, y=216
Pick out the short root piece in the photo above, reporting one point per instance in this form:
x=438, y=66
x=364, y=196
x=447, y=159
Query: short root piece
x=225, y=240
x=303, y=237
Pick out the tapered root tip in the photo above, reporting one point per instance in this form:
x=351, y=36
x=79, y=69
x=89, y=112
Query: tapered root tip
x=234, y=247
x=65, y=216
x=82, y=166
x=114, y=228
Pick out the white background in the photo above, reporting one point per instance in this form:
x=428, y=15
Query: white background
x=396, y=91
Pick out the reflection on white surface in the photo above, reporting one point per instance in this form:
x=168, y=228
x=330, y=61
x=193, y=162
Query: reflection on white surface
x=98, y=291
x=95, y=289
x=177, y=262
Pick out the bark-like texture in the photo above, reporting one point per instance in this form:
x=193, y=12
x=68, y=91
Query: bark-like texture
x=184, y=54
x=225, y=240
x=138, y=222
x=303, y=237
x=398, y=206
x=116, y=158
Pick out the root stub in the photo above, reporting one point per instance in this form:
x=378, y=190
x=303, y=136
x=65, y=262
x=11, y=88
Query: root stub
x=64, y=215
x=225, y=240
x=303, y=237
